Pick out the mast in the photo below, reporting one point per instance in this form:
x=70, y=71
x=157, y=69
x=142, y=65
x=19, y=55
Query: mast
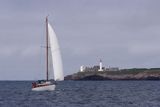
x=47, y=48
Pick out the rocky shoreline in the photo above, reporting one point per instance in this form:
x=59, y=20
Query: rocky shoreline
x=125, y=74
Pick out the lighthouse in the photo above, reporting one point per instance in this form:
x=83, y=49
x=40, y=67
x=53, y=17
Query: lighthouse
x=100, y=65
x=82, y=68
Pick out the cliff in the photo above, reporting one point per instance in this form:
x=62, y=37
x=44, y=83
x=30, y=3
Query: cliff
x=125, y=74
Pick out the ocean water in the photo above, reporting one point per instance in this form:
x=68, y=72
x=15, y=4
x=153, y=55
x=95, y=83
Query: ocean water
x=82, y=94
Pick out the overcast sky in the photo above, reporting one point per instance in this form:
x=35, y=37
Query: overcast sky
x=123, y=33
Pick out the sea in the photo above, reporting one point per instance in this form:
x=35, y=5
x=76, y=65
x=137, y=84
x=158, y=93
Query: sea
x=82, y=94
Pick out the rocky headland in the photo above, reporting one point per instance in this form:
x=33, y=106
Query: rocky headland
x=123, y=74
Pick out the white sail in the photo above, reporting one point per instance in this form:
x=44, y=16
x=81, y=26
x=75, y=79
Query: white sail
x=56, y=55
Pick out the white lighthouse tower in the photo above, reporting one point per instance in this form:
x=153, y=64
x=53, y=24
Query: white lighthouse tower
x=100, y=65
x=82, y=68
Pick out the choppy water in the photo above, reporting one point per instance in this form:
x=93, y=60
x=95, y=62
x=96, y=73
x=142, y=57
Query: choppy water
x=83, y=94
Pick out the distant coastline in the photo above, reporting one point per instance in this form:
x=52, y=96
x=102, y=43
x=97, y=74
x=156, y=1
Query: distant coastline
x=123, y=74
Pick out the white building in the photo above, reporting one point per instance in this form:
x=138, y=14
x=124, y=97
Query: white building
x=100, y=66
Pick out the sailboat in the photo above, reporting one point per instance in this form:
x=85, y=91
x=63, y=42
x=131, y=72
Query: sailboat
x=52, y=46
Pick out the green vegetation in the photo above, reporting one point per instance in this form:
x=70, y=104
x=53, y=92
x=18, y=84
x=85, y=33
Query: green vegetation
x=133, y=71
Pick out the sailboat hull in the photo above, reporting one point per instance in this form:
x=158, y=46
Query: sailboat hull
x=45, y=88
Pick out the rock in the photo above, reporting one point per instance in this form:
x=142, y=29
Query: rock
x=152, y=74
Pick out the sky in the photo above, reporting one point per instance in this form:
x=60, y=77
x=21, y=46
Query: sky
x=123, y=33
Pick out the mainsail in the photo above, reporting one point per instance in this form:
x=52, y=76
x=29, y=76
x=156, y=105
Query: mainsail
x=55, y=54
